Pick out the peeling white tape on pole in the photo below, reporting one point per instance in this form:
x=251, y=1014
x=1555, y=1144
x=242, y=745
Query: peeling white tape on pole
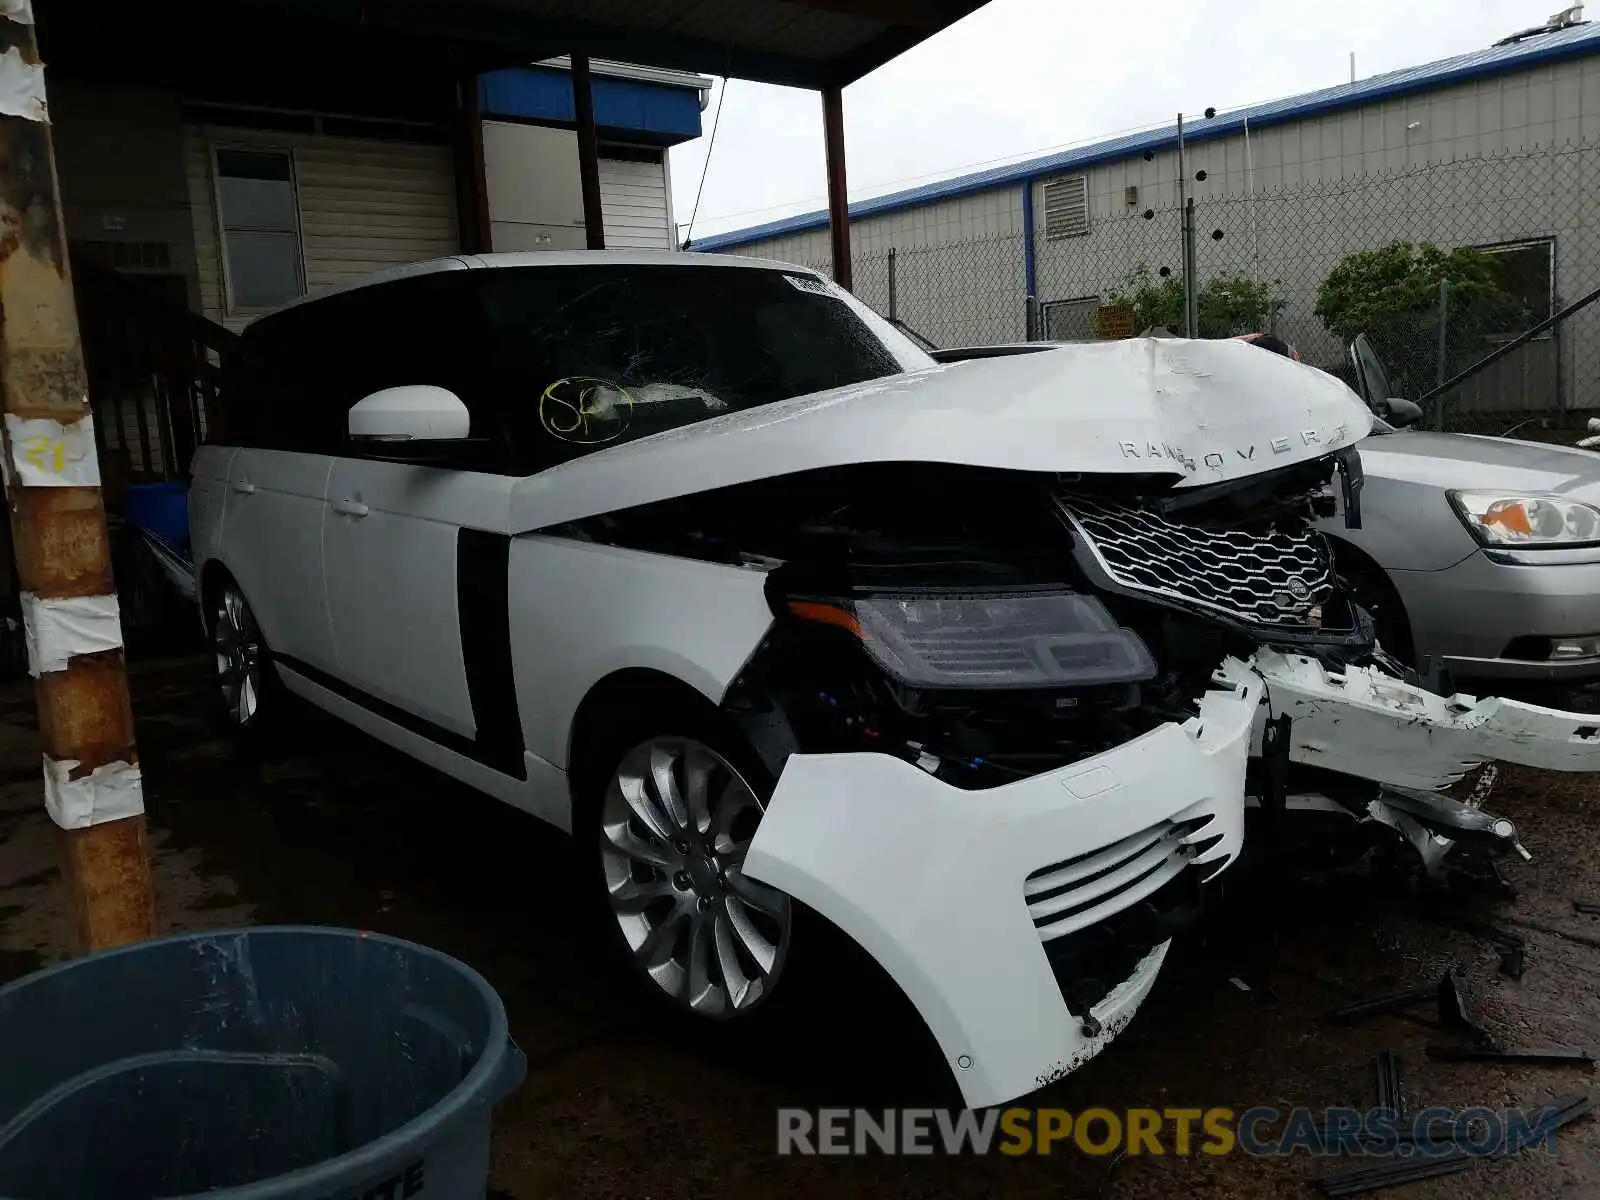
x=59, y=630
x=20, y=11
x=46, y=453
x=22, y=87
x=108, y=793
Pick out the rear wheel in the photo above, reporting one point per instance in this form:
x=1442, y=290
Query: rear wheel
x=243, y=664
x=676, y=820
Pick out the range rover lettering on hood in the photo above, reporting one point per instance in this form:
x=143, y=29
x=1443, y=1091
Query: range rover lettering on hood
x=1201, y=412
x=1217, y=460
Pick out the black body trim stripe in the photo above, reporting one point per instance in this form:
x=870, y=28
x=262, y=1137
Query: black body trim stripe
x=483, y=607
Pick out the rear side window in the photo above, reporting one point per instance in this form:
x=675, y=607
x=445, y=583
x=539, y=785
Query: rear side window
x=298, y=372
x=280, y=387
x=592, y=356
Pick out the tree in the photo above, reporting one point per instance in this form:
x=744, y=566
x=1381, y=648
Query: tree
x=1392, y=294
x=1229, y=304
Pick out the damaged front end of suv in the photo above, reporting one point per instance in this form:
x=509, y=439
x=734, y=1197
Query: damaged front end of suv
x=1005, y=686
x=1034, y=629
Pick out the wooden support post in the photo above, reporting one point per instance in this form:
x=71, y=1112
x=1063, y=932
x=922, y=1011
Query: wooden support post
x=472, y=184
x=58, y=528
x=838, y=198
x=588, y=153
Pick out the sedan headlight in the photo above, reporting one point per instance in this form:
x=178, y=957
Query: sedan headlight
x=967, y=640
x=1501, y=519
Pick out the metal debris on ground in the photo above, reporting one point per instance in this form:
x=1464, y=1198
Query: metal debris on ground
x=1390, y=1085
x=1390, y=1002
x=1394, y=1173
x=1450, y=995
x=1520, y=1054
x=1397, y=1171
x=1590, y=908
x=1513, y=955
x=1551, y=1118
x=1454, y=1015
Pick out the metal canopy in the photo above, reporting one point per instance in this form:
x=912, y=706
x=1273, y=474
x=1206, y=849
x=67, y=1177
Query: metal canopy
x=802, y=43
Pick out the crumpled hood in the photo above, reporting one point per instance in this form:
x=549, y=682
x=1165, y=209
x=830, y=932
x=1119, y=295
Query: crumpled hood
x=1197, y=411
x=1459, y=460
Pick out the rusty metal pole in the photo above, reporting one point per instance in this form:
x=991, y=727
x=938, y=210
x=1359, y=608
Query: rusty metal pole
x=58, y=527
x=588, y=153
x=838, y=197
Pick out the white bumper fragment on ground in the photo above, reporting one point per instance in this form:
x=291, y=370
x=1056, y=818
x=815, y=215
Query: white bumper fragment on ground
x=1364, y=723
x=955, y=893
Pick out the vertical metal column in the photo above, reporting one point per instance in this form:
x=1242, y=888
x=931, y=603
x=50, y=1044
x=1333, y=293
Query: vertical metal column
x=58, y=527
x=1186, y=239
x=1191, y=267
x=1442, y=367
x=894, y=290
x=588, y=153
x=838, y=196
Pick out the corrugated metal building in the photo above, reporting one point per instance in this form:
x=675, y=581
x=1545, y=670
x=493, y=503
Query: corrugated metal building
x=1443, y=152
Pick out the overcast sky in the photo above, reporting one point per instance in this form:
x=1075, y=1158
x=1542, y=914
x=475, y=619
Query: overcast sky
x=1025, y=77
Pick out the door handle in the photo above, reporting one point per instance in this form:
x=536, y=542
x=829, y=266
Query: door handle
x=350, y=508
x=244, y=489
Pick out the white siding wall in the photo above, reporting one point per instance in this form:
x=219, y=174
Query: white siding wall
x=364, y=205
x=536, y=198
x=633, y=201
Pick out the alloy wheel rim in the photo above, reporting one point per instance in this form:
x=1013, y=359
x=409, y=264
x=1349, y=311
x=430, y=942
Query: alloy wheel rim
x=238, y=650
x=676, y=823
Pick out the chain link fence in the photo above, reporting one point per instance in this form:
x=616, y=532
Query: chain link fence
x=1438, y=265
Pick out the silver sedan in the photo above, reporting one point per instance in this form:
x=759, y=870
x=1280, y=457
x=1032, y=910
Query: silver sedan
x=1478, y=556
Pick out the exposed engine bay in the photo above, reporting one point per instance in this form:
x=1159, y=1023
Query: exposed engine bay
x=990, y=625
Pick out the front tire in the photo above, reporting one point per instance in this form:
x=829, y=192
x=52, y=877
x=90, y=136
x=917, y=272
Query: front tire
x=672, y=826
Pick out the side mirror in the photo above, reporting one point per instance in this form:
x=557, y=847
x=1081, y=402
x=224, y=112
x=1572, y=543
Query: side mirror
x=1400, y=412
x=418, y=413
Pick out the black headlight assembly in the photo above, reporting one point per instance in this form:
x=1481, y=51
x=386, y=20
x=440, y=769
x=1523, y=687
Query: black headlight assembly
x=972, y=640
x=978, y=686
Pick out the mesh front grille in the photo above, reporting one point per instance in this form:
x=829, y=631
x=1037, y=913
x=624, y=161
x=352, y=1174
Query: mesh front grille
x=1272, y=579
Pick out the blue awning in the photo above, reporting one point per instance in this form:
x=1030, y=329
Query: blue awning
x=626, y=109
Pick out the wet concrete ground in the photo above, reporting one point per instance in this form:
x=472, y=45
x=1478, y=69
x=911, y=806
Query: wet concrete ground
x=331, y=828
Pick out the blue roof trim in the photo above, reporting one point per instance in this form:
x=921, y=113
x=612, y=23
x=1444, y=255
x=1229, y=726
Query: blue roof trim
x=660, y=113
x=1576, y=42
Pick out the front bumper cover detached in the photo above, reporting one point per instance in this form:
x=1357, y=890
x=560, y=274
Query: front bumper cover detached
x=1364, y=723
x=957, y=894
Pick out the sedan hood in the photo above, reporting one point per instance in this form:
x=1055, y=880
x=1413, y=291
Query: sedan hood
x=1460, y=460
x=1197, y=412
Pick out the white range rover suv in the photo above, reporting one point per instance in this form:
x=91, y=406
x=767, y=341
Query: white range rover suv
x=700, y=559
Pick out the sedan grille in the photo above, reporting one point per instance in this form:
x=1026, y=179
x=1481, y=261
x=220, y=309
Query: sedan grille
x=1079, y=892
x=1265, y=579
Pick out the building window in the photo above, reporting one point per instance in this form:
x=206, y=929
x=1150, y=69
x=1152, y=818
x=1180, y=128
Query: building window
x=1066, y=207
x=1070, y=320
x=260, y=228
x=1527, y=273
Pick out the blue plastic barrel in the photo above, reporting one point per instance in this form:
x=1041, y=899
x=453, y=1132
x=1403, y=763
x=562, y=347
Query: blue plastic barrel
x=279, y=1063
x=158, y=508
